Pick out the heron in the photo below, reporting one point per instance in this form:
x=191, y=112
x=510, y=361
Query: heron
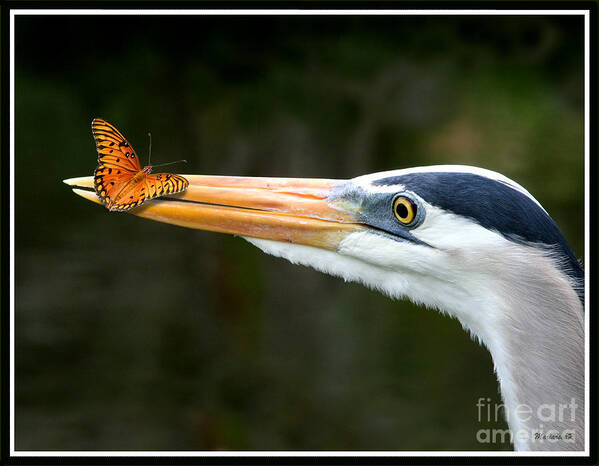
x=466, y=241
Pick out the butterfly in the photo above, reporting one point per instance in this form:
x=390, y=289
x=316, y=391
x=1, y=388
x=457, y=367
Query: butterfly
x=119, y=180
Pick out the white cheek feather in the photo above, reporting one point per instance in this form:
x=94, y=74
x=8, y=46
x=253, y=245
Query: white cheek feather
x=425, y=275
x=446, y=231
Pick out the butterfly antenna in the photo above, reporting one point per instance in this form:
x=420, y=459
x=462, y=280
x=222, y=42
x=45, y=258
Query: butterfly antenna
x=170, y=163
x=150, y=149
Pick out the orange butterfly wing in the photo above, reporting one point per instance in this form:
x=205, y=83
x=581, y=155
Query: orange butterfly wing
x=118, y=179
x=113, y=149
x=118, y=163
x=160, y=184
x=146, y=187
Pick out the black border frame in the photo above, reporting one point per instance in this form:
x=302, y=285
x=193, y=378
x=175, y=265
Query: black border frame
x=5, y=9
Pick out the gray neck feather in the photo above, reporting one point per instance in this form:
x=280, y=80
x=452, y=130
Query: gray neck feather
x=537, y=344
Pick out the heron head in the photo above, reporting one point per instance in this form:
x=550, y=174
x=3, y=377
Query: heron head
x=448, y=237
x=445, y=236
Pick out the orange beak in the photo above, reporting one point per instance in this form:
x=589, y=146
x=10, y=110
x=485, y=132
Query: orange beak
x=294, y=210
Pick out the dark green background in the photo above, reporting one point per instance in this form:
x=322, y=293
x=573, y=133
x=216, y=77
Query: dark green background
x=132, y=334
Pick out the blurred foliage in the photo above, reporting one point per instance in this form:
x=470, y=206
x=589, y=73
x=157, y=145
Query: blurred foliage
x=136, y=335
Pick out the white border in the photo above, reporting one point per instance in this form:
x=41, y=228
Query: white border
x=25, y=12
x=587, y=229
x=298, y=12
x=12, y=232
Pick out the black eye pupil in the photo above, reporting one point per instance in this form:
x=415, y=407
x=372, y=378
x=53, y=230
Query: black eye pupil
x=402, y=210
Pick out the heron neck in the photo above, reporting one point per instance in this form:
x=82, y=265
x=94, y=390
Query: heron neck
x=536, y=339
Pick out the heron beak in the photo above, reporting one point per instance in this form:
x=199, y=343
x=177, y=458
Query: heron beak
x=294, y=210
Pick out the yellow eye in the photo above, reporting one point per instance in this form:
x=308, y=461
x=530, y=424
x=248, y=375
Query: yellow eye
x=404, y=209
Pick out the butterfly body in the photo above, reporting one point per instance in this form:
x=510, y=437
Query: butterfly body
x=119, y=180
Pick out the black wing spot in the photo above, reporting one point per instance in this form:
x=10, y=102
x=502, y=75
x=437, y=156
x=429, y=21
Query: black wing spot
x=130, y=197
x=109, y=171
x=158, y=177
x=168, y=176
x=118, y=160
x=112, y=183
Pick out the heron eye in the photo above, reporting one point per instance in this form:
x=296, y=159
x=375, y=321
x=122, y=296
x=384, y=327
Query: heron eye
x=404, y=209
